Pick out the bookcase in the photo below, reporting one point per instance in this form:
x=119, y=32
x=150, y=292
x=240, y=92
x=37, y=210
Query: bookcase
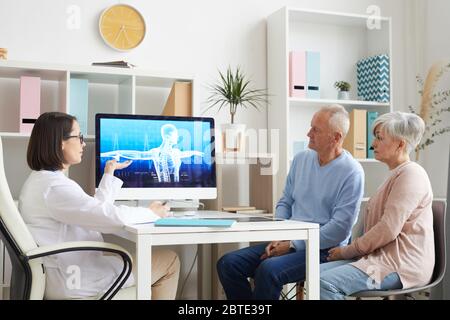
x=109, y=90
x=342, y=40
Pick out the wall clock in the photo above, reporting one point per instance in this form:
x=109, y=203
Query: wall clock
x=122, y=27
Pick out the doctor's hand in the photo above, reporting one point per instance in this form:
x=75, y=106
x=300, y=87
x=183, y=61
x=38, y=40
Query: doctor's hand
x=276, y=248
x=159, y=208
x=335, y=254
x=113, y=165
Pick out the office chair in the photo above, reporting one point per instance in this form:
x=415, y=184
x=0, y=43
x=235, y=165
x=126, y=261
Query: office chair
x=28, y=272
x=439, y=266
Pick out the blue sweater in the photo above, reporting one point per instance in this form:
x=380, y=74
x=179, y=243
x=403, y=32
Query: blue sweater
x=329, y=195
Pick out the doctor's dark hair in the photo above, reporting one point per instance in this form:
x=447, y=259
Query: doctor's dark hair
x=45, y=145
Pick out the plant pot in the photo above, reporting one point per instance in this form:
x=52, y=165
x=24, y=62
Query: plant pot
x=343, y=95
x=233, y=137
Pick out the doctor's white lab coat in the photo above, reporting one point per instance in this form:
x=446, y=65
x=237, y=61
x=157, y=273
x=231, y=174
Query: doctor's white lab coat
x=56, y=209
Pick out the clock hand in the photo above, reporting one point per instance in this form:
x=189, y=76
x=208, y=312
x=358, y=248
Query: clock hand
x=120, y=31
x=134, y=28
x=125, y=34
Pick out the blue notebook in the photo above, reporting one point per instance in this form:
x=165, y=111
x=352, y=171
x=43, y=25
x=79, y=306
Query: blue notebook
x=177, y=222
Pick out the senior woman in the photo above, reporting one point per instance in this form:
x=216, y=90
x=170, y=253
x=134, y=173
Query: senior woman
x=397, y=248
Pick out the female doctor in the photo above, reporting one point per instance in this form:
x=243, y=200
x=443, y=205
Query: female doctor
x=56, y=209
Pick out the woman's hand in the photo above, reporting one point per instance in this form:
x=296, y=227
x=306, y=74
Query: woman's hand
x=159, y=208
x=113, y=165
x=335, y=254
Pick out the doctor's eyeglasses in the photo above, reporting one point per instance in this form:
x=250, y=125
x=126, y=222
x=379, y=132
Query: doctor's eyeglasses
x=80, y=136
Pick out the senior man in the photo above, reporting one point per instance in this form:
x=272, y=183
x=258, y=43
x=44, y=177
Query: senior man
x=325, y=186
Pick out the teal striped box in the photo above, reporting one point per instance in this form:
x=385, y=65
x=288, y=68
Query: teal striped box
x=373, y=78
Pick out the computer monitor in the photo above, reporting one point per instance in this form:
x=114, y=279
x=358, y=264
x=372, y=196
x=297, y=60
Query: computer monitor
x=172, y=157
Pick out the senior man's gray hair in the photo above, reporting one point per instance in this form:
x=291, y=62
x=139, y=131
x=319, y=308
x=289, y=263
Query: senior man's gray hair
x=339, y=119
x=401, y=125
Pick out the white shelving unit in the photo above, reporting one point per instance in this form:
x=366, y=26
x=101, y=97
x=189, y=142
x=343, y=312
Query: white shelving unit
x=342, y=39
x=111, y=90
x=261, y=171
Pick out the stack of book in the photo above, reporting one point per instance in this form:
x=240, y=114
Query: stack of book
x=360, y=136
x=120, y=64
x=243, y=209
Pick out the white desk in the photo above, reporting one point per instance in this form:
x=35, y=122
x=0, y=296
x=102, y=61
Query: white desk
x=147, y=235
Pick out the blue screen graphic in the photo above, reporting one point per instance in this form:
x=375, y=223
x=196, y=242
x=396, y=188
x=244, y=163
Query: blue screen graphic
x=164, y=152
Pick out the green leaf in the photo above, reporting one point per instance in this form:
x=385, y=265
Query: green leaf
x=233, y=89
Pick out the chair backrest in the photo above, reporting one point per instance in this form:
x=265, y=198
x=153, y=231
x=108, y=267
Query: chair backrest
x=439, y=241
x=28, y=278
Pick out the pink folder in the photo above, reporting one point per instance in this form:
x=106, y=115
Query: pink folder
x=30, y=101
x=297, y=74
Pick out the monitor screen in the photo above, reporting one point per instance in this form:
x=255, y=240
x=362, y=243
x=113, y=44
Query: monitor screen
x=172, y=157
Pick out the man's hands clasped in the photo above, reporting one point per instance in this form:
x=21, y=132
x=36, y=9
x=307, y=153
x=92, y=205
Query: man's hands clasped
x=275, y=249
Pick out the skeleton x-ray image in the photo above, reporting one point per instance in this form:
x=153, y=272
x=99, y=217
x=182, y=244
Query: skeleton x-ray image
x=164, y=153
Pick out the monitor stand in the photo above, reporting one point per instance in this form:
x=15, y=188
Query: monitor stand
x=178, y=207
x=184, y=205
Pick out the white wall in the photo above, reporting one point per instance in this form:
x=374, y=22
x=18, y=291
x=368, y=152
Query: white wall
x=437, y=48
x=425, y=44
x=195, y=37
x=199, y=36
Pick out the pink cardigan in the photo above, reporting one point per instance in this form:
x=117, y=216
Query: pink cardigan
x=398, y=229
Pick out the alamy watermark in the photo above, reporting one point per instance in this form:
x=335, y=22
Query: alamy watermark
x=374, y=20
x=73, y=281
x=73, y=21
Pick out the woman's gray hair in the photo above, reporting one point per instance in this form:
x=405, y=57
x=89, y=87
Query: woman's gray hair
x=339, y=119
x=401, y=125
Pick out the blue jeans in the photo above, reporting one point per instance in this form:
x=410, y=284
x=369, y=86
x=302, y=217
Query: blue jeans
x=339, y=279
x=269, y=275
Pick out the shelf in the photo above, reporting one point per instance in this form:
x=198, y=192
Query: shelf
x=88, y=138
x=14, y=135
x=359, y=160
x=368, y=160
x=95, y=74
x=241, y=158
x=330, y=17
x=239, y=155
x=321, y=102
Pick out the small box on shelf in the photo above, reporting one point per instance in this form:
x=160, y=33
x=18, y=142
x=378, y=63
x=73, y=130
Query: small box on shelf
x=30, y=102
x=79, y=92
x=179, y=102
x=356, y=142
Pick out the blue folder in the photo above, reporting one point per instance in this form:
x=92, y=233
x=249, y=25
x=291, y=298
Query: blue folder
x=177, y=222
x=313, y=74
x=79, y=92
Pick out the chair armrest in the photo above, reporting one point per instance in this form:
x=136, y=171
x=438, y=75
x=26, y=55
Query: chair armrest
x=89, y=246
x=76, y=246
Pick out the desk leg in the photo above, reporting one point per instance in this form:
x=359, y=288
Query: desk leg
x=144, y=267
x=312, y=265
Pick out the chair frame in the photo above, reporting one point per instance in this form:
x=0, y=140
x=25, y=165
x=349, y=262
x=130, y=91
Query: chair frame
x=23, y=260
x=396, y=294
x=439, y=267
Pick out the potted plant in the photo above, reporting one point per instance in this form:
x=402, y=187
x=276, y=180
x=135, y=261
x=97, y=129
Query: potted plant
x=343, y=90
x=233, y=91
